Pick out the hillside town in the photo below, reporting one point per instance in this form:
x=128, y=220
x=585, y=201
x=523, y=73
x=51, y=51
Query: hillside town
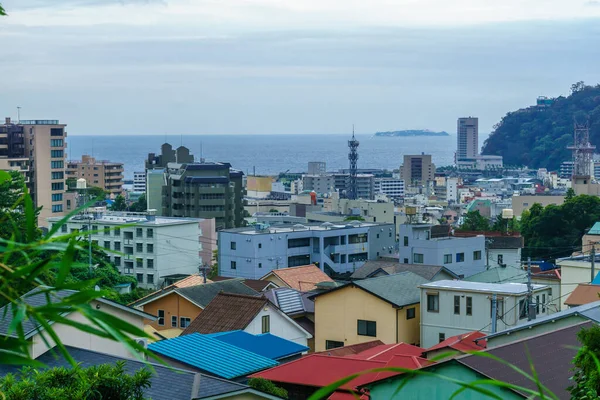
x=269, y=287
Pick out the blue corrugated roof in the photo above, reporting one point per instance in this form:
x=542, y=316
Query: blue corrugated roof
x=211, y=355
x=266, y=345
x=595, y=229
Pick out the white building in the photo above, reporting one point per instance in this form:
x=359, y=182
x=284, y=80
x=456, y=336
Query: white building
x=319, y=183
x=139, y=182
x=393, y=188
x=450, y=308
x=419, y=244
x=480, y=163
x=504, y=251
x=452, y=190
x=253, y=252
x=141, y=245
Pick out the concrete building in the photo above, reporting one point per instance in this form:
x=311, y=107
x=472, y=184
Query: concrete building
x=450, y=308
x=259, y=187
x=422, y=244
x=522, y=203
x=155, y=179
x=391, y=187
x=337, y=248
x=329, y=183
x=417, y=169
x=566, y=169
x=502, y=250
x=103, y=174
x=317, y=168
x=208, y=240
x=452, y=190
x=204, y=190
x=148, y=248
x=139, y=182
x=321, y=184
x=467, y=131
x=13, y=156
x=575, y=270
x=167, y=155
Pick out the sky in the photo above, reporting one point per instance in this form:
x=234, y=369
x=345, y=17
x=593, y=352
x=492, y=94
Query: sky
x=110, y=67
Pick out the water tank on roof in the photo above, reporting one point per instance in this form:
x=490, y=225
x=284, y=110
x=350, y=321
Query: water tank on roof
x=81, y=183
x=507, y=213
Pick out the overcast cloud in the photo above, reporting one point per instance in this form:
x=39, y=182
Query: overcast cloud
x=274, y=66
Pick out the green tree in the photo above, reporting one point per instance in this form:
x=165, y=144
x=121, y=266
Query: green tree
x=214, y=268
x=71, y=183
x=92, y=383
x=505, y=225
x=2, y=12
x=570, y=194
x=13, y=196
x=474, y=221
x=140, y=205
x=95, y=193
x=586, y=380
x=273, y=210
x=120, y=204
x=266, y=386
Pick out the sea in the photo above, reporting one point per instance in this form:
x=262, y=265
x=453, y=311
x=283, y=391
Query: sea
x=266, y=154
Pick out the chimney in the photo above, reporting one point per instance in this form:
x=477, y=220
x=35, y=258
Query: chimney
x=7, y=120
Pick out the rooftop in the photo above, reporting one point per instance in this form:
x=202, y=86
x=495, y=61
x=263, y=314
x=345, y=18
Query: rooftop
x=303, y=278
x=393, y=267
x=595, y=230
x=464, y=343
x=483, y=287
x=266, y=345
x=291, y=301
x=286, y=228
x=124, y=218
x=584, y=293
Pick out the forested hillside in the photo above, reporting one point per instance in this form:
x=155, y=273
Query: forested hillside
x=537, y=137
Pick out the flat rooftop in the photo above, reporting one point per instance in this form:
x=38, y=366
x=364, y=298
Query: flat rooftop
x=325, y=226
x=502, y=288
x=124, y=218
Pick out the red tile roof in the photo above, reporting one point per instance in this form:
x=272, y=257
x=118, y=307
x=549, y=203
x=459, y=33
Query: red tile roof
x=463, y=343
x=352, y=349
x=386, y=352
x=584, y=293
x=302, y=278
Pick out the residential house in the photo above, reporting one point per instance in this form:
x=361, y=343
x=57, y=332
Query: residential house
x=456, y=345
x=255, y=315
x=384, y=308
x=69, y=335
x=166, y=383
x=450, y=308
x=296, y=305
x=255, y=284
x=421, y=244
x=374, y=268
x=591, y=238
x=264, y=344
x=252, y=252
x=575, y=270
x=506, y=274
x=177, y=307
x=584, y=293
x=551, y=278
x=208, y=355
x=553, y=369
x=303, y=278
x=503, y=249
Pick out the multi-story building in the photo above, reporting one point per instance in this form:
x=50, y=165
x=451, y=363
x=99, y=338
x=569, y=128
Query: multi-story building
x=319, y=183
x=566, y=169
x=141, y=245
x=417, y=169
x=467, y=138
x=37, y=149
x=167, y=155
x=336, y=248
x=139, y=182
x=104, y=174
x=154, y=183
x=425, y=244
x=391, y=187
x=450, y=308
x=329, y=183
x=317, y=168
x=204, y=190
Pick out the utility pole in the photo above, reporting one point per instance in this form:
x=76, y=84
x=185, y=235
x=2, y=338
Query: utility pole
x=593, y=261
x=494, y=312
x=90, y=244
x=530, y=305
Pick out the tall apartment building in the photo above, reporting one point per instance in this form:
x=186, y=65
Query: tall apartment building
x=467, y=138
x=37, y=149
x=167, y=155
x=204, y=190
x=254, y=251
x=139, y=182
x=391, y=187
x=141, y=245
x=329, y=183
x=104, y=174
x=417, y=169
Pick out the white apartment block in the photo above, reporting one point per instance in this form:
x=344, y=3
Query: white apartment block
x=393, y=188
x=141, y=245
x=450, y=308
x=139, y=182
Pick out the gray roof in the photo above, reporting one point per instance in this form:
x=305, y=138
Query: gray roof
x=398, y=289
x=499, y=275
x=482, y=287
x=589, y=311
x=167, y=383
x=291, y=301
x=394, y=267
x=505, y=242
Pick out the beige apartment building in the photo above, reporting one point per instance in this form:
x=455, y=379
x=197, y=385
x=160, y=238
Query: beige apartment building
x=37, y=149
x=417, y=169
x=99, y=173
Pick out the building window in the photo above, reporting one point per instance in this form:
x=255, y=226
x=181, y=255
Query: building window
x=433, y=302
x=58, y=186
x=233, y=265
x=160, y=315
x=140, y=279
x=149, y=233
x=469, y=310
x=95, y=228
x=57, y=164
x=139, y=232
x=499, y=308
x=56, y=131
x=233, y=245
x=460, y=257
x=149, y=263
x=259, y=265
x=367, y=328
x=56, y=143
x=64, y=228
x=266, y=324
x=150, y=279
x=543, y=303
x=117, y=261
x=410, y=313
x=56, y=208
x=442, y=337
x=333, y=344
x=500, y=259
x=522, y=309
x=457, y=305
x=184, y=322
x=117, y=231
x=149, y=248
x=106, y=230
x=260, y=245
x=57, y=197
x=405, y=241
x=57, y=175
x=447, y=258
x=418, y=258
x=537, y=304
x=302, y=242
x=117, y=246
x=378, y=236
x=477, y=255
x=139, y=262
x=173, y=321
x=139, y=247
x=57, y=154
x=107, y=245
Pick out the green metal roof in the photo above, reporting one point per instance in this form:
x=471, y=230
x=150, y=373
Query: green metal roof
x=499, y=275
x=595, y=229
x=399, y=289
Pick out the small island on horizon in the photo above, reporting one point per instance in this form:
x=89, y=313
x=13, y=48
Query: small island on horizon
x=412, y=132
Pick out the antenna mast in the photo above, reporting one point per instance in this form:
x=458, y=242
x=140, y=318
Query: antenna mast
x=353, y=158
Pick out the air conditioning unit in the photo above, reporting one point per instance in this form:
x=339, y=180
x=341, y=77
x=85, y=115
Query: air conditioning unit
x=142, y=342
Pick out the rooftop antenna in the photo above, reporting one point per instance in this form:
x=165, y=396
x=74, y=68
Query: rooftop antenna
x=19, y=114
x=353, y=158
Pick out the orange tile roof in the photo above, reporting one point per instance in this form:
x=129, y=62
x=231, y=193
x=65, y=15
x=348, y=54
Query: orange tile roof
x=584, y=293
x=192, y=280
x=464, y=343
x=302, y=278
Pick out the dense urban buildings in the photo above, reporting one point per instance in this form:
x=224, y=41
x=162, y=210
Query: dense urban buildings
x=417, y=169
x=103, y=174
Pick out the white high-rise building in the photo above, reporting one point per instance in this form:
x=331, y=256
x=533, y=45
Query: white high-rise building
x=391, y=187
x=467, y=138
x=139, y=182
